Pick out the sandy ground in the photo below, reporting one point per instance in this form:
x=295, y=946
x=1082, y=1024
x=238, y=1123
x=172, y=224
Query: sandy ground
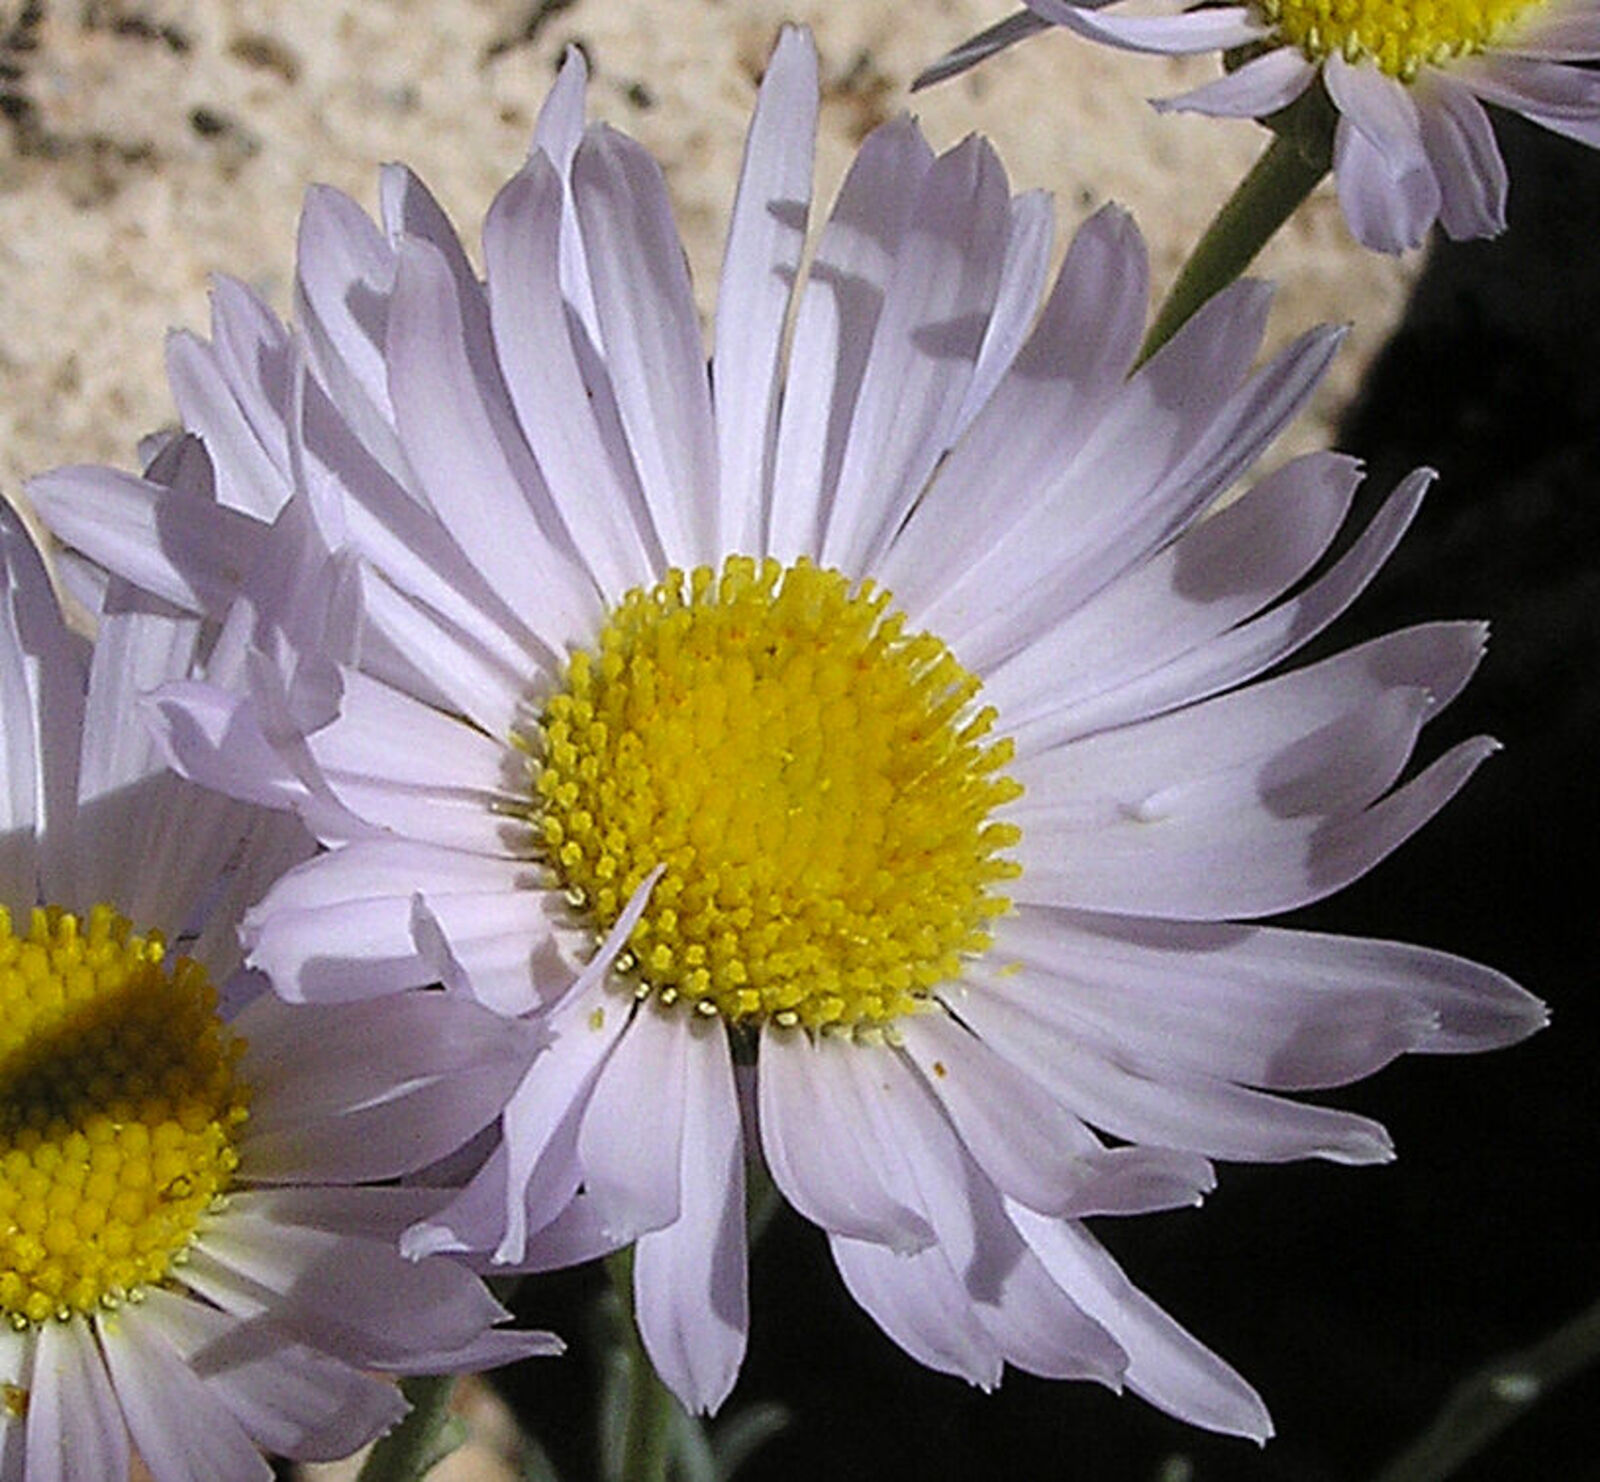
x=147, y=145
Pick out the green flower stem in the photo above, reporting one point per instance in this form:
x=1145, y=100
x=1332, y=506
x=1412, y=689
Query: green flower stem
x=426, y=1435
x=1277, y=183
x=1490, y=1400
x=652, y=1409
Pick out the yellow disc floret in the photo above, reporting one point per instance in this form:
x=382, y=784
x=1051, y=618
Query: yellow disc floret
x=1399, y=36
x=119, y=1108
x=816, y=782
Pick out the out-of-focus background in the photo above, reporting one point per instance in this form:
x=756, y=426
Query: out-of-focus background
x=147, y=143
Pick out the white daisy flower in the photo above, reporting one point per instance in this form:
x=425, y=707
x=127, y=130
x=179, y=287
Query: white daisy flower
x=1408, y=78
x=869, y=727
x=185, y=1266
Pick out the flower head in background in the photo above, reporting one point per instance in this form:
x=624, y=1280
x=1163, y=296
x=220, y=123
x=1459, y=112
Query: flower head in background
x=1409, y=78
x=183, y=1256
x=853, y=757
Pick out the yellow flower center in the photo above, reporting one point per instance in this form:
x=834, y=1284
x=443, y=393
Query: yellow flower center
x=815, y=781
x=119, y=1108
x=1398, y=35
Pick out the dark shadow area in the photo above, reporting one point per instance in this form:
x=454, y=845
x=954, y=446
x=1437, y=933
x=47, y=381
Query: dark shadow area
x=1354, y=1299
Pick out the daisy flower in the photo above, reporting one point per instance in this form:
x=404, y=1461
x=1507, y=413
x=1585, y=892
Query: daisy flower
x=185, y=1264
x=1408, y=79
x=847, y=755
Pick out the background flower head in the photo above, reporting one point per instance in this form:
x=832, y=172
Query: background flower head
x=640, y=702
x=1413, y=143
x=186, y=1256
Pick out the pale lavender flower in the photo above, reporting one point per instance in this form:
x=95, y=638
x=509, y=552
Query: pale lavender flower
x=907, y=917
x=1408, y=78
x=187, y=1260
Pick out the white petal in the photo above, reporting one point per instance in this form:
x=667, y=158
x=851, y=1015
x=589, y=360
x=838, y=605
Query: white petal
x=158, y=848
x=1208, y=29
x=1208, y=461
x=1157, y=418
x=1250, y=648
x=689, y=1279
x=171, y=542
x=560, y=124
x=1021, y=1137
x=1262, y=86
x=182, y=1432
x=351, y=945
x=1034, y=1322
x=1028, y=1319
x=358, y=1092
x=17, y=1351
x=1195, y=997
x=761, y=265
x=1040, y=414
x=1171, y=1109
x=996, y=38
x=630, y=1144
x=556, y=135
x=250, y=477
x=412, y=550
x=1155, y=756
x=1555, y=33
x=137, y=648
x=340, y=926
x=465, y=671
x=1166, y=1366
x=471, y=1222
x=1534, y=88
x=1288, y=769
x=838, y=309
x=384, y=738
x=290, y=1399
x=218, y=740
x=257, y=361
x=252, y=350
x=457, y=433
x=651, y=337
x=920, y=1303
x=42, y=675
x=511, y=956
x=1040, y=1328
x=409, y=209
x=344, y=275
x=925, y=346
x=1460, y=142
x=457, y=792
x=541, y=1122
x=1565, y=100
x=578, y=1235
x=1264, y=1006
x=1219, y=572
x=1016, y=301
x=1386, y=181
x=75, y=1430
x=355, y=1298
x=591, y=478
x=1259, y=772
x=1260, y=865
x=489, y=1350
x=820, y=1147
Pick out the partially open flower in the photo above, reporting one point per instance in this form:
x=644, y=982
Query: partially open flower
x=186, y=1255
x=1409, y=79
x=850, y=758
